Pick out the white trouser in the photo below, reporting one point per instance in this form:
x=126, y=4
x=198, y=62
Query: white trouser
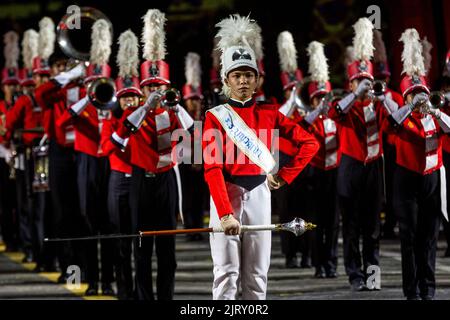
x=245, y=258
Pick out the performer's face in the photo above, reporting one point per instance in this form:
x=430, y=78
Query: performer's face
x=316, y=101
x=242, y=83
x=58, y=67
x=40, y=79
x=9, y=90
x=130, y=100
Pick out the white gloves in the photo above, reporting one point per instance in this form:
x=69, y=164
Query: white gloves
x=77, y=72
x=152, y=100
x=230, y=225
x=363, y=87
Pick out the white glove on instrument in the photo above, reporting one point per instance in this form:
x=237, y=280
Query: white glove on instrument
x=363, y=87
x=68, y=76
x=230, y=225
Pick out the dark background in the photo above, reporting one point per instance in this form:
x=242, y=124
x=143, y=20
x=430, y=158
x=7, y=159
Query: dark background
x=190, y=27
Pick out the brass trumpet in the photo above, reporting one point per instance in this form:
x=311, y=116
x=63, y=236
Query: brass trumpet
x=437, y=99
x=102, y=93
x=170, y=97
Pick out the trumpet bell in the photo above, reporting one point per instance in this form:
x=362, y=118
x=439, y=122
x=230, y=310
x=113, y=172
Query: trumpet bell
x=170, y=97
x=102, y=93
x=437, y=99
x=74, y=32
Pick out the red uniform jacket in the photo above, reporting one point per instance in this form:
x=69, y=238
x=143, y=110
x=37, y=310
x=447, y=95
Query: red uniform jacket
x=326, y=131
x=4, y=107
x=398, y=99
x=360, y=136
x=119, y=160
x=54, y=100
x=88, y=127
x=26, y=114
x=418, y=143
x=446, y=138
x=256, y=117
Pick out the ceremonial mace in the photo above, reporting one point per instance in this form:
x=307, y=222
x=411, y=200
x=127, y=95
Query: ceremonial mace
x=297, y=226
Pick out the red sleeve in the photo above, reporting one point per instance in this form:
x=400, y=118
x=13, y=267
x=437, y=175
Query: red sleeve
x=213, y=165
x=107, y=130
x=48, y=94
x=65, y=119
x=305, y=142
x=16, y=113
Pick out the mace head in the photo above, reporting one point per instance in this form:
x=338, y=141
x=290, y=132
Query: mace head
x=298, y=226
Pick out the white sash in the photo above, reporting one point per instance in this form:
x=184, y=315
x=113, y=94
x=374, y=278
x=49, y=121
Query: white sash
x=244, y=138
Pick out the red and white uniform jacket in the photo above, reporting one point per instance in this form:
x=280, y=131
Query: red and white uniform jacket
x=118, y=160
x=26, y=114
x=151, y=146
x=4, y=107
x=55, y=100
x=326, y=132
x=256, y=117
x=88, y=126
x=419, y=143
x=360, y=135
x=446, y=138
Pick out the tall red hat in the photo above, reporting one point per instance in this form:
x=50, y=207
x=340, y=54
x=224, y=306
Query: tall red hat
x=47, y=37
x=128, y=85
x=413, y=64
x=360, y=69
x=381, y=69
x=154, y=72
x=191, y=92
x=316, y=88
x=290, y=73
x=363, y=48
x=10, y=76
x=26, y=77
x=318, y=70
x=193, y=73
x=95, y=71
x=128, y=62
x=288, y=80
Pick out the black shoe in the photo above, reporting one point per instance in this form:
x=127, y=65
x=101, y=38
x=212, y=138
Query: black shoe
x=107, y=290
x=306, y=263
x=320, y=273
x=332, y=274
x=427, y=297
x=92, y=290
x=292, y=263
x=28, y=257
x=358, y=285
x=414, y=297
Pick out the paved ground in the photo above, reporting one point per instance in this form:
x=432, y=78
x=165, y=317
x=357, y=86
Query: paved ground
x=194, y=277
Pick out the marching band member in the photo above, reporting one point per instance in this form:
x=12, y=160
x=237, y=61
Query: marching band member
x=148, y=131
x=383, y=73
x=55, y=96
x=286, y=200
x=129, y=96
x=10, y=88
x=192, y=173
x=419, y=179
x=324, y=165
x=359, y=179
x=445, y=89
x=240, y=189
x=92, y=164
